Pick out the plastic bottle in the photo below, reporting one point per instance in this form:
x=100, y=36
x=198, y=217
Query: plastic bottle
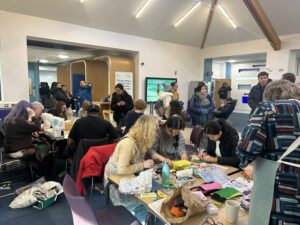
x=165, y=175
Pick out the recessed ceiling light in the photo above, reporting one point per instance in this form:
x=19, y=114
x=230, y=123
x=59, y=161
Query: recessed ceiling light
x=232, y=61
x=187, y=14
x=81, y=1
x=227, y=16
x=63, y=56
x=43, y=61
x=142, y=9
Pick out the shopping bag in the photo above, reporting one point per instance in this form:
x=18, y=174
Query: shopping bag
x=194, y=205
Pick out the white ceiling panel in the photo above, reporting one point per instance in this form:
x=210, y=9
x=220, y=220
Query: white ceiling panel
x=158, y=19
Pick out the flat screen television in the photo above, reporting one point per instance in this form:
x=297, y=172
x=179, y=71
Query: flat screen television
x=151, y=87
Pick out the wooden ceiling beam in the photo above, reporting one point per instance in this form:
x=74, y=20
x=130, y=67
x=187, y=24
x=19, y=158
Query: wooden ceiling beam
x=264, y=23
x=208, y=22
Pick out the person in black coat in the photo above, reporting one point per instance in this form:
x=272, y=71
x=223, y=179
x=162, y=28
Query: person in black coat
x=221, y=131
x=256, y=93
x=223, y=92
x=121, y=103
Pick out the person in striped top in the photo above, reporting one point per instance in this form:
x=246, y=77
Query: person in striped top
x=273, y=127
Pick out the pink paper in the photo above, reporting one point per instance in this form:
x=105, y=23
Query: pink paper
x=211, y=186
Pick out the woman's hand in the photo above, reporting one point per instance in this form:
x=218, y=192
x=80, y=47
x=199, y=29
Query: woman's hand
x=208, y=158
x=248, y=172
x=201, y=154
x=184, y=156
x=30, y=112
x=148, y=164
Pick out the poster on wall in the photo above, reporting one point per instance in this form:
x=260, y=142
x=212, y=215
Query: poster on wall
x=125, y=78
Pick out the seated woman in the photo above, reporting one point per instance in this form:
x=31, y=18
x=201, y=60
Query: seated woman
x=221, y=131
x=128, y=158
x=131, y=117
x=83, y=110
x=19, y=125
x=169, y=142
x=60, y=110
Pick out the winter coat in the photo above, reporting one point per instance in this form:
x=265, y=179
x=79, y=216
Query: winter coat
x=121, y=111
x=200, y=114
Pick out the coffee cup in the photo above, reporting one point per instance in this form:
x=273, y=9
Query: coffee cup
x=232, y=210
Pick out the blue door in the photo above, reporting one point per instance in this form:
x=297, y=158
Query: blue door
x=76, y=78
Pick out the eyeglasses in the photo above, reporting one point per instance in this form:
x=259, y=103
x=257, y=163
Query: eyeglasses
x=211, y=221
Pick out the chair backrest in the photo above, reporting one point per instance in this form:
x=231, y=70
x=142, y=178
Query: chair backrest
x=82, y=149
x=197, y=136
x=228, y=111
x=81, y=211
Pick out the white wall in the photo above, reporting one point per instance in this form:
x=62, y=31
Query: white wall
x=161, y=59
x=219, y=70
x=240, y=78
x=48, y=76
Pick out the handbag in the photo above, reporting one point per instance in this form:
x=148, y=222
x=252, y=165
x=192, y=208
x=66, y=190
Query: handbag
x=43, y=148
x=194, y=205
x=264, y=177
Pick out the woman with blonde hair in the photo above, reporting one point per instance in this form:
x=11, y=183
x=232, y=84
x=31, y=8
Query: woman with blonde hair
x=273, y=127
x=128, y=158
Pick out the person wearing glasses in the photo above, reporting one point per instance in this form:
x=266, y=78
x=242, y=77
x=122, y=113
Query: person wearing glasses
x=169, y=143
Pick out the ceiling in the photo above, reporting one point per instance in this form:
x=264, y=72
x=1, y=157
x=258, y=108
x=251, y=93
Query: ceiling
x=157, y=20
x=259, y=57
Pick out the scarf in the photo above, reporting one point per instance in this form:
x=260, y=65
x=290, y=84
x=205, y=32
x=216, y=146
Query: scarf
x=204, y=101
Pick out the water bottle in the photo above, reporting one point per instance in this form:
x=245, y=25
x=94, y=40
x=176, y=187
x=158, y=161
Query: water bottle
x=165, y=175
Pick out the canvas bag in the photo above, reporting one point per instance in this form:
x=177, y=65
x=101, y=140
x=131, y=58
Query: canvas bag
x=194, y=205
x=264, y=177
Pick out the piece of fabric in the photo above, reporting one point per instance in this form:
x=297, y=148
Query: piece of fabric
x=93, y=164
x=225, y=194
x=262, y=191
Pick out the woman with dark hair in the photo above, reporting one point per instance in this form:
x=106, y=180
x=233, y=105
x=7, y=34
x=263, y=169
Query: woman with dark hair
x=174, y=109
x=201, y=105
x=228, y=137
x=121, y=103
x=19, y=125
x=60, y=110
x=169, y=142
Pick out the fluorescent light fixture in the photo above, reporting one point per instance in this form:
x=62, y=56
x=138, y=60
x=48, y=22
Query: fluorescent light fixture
x=43, y=61
x=142, y=9
x=232, y=61
x=227, y=16
x=63, y=56
x=187, y=14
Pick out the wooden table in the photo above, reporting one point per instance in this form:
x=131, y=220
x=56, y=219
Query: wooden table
x=153, y=205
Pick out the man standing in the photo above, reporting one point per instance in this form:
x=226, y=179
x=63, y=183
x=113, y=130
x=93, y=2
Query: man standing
x=121, y=103
x=84, y=92
x=256, y=93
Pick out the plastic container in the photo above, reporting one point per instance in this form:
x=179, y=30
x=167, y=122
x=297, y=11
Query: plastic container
x=165, y=175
